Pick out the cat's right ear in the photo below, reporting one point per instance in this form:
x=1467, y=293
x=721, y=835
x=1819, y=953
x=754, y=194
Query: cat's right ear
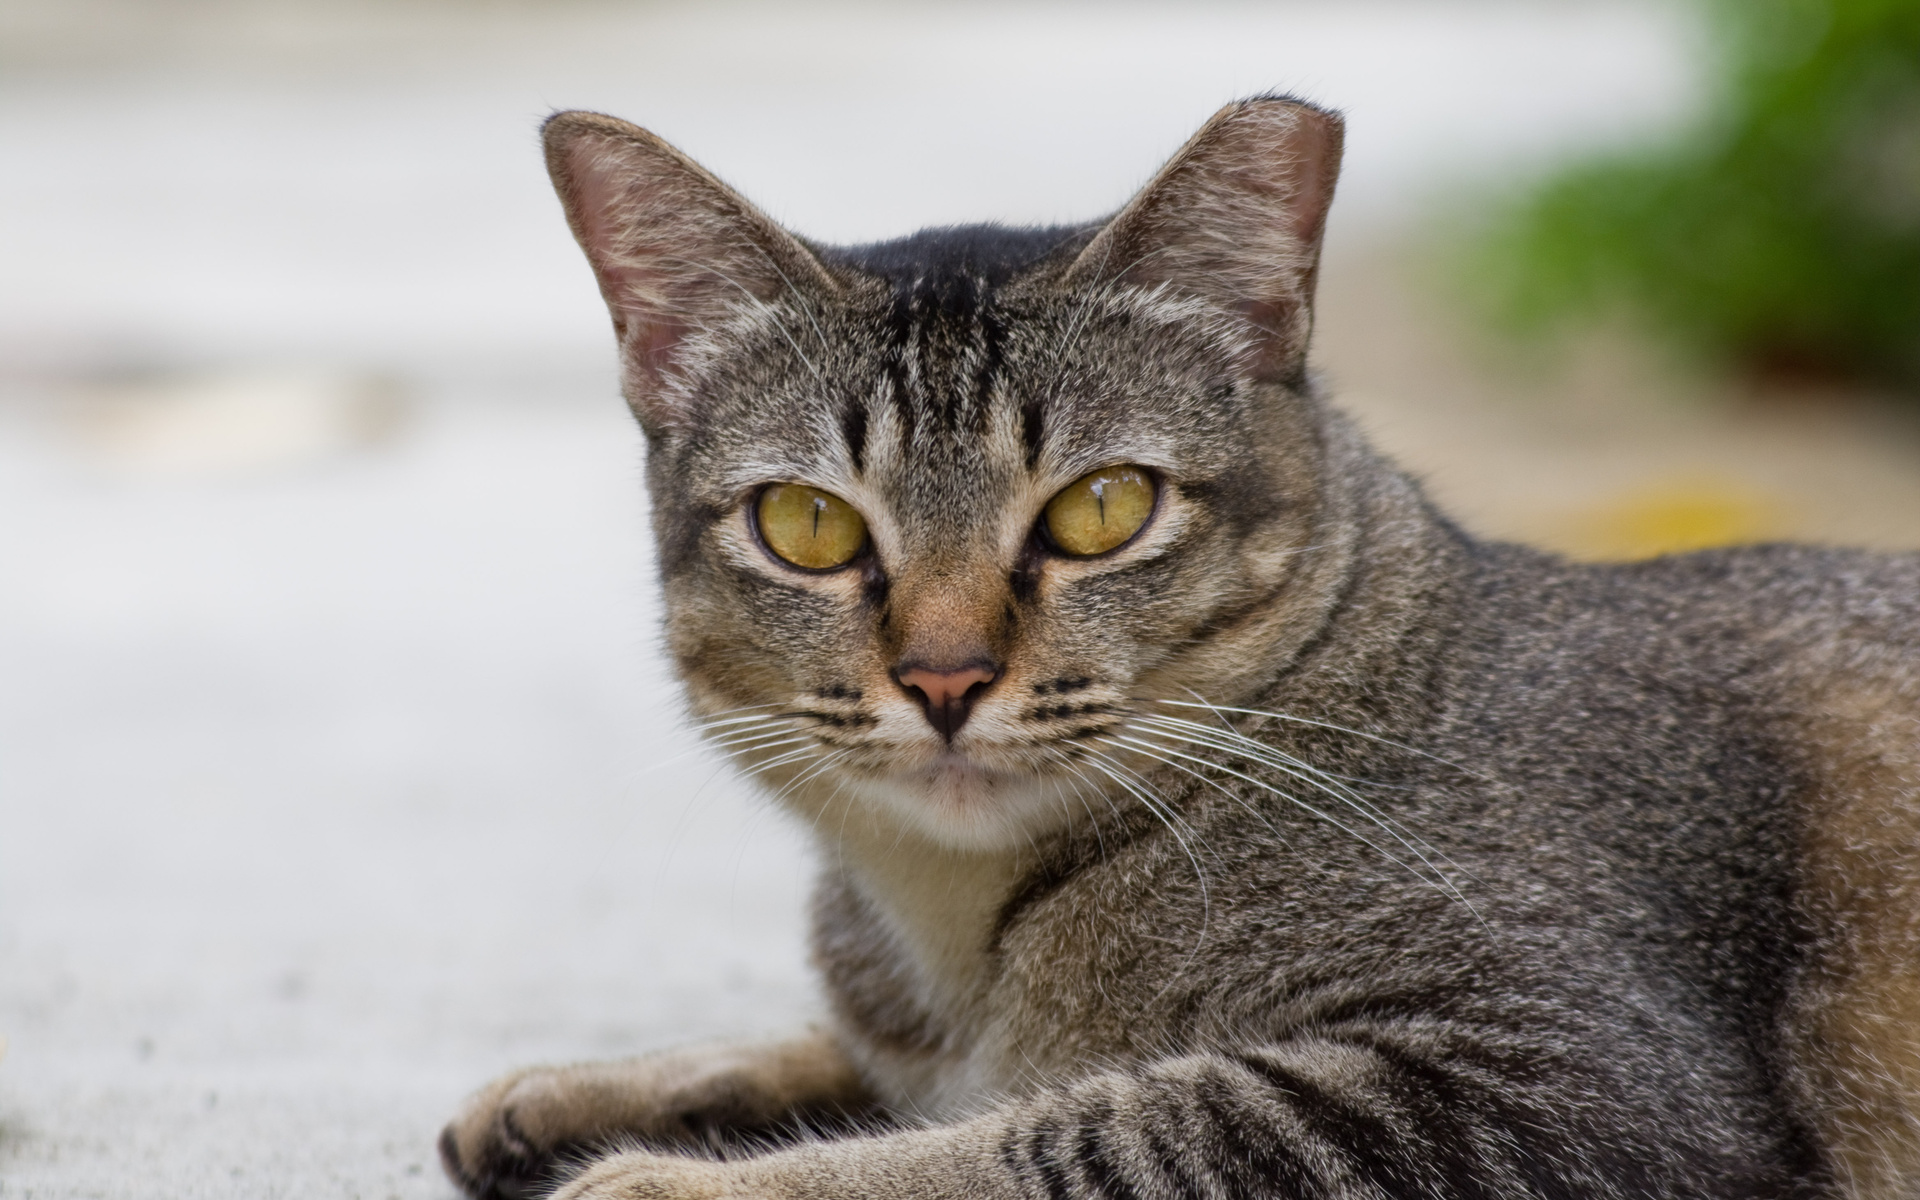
x=1235, y=218
x=676, y=252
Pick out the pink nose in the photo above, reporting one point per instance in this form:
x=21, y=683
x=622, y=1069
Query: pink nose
x=947, y=696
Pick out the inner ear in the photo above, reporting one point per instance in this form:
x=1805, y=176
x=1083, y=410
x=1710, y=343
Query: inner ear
x=675, y=251
x=1237, y=217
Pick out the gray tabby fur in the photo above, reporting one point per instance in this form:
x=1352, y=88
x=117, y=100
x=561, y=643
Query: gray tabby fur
x=1304, y=846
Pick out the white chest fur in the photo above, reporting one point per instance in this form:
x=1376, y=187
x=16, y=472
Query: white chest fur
x=938, y=907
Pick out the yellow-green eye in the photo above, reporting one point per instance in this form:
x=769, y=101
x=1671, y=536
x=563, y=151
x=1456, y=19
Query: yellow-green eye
x=1097, y=512
x=810, y=528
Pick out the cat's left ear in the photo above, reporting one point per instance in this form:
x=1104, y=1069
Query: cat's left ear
x=1237, y=218
x=676, y=252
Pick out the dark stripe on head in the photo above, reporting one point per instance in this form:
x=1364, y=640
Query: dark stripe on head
x=898, y=392
x=993, y=334
x=1033, y=427
x=853, y=426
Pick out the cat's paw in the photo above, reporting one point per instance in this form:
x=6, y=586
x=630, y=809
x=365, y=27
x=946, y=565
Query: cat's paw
x=655, y=1177
x=522, y=1133
x=516, y=1137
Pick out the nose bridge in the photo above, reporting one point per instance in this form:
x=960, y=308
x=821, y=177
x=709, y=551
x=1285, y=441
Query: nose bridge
x=951, y=619
x=948, y=591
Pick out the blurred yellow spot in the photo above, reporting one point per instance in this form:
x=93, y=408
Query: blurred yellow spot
x=1670, y=518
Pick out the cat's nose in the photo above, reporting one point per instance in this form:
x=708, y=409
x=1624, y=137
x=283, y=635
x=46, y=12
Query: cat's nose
x=947, y=695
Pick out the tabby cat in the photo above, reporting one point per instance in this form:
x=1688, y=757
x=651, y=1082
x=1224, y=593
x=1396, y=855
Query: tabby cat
x=1201, y=813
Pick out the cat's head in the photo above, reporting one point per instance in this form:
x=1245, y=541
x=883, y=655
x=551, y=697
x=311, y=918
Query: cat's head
x=933, y=515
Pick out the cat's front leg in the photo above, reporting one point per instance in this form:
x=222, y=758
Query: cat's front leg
x=1392, y=1112
x=956, y=1162
x=516, y=1136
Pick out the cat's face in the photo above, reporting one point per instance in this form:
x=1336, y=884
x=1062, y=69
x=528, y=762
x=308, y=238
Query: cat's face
x=947, y=434
x=934, y=516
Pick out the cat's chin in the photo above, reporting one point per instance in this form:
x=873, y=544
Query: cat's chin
x=959, y=802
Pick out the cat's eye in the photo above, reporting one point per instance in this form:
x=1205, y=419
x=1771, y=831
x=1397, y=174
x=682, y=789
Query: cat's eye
x=808, y=527
x=1099, y=512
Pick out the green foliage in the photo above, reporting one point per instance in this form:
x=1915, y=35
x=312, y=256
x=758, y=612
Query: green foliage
x=1780, y=236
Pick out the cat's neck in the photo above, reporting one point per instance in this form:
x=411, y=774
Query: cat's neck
x=940, y=903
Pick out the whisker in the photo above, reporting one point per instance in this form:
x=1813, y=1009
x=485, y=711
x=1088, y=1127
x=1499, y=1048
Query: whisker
x=783, y=759
x=767, y=728
x=1234, y=742
x=1152, y=748
x=741, y=708
x=1353, y=797
x=811, y=773
x=1098, y=762
x=1080, y=777
x=766, y=741
x=1252, y=811
x=1441, y=882
x=1117, y=772
x=1080, y=783
x=1144, y=785
x=1279, y=716
x=720, y=722
x=726, y=745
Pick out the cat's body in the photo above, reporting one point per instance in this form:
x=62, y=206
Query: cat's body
x=1300, y=845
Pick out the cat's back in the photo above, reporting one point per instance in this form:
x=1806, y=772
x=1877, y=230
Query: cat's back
x=1791, y=676
x=1773, y=642
x=1736, y=614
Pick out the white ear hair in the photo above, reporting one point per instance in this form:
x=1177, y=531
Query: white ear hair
x=675, y=251
x=1236, y=217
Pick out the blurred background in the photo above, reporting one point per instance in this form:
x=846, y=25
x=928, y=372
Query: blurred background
x=338, y=766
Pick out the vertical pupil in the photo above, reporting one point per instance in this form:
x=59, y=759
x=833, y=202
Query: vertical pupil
x=1100, y=498
x=819, y=506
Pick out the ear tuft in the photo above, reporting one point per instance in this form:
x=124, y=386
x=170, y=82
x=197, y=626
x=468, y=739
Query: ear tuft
x=675, y=251
x=1236, y=217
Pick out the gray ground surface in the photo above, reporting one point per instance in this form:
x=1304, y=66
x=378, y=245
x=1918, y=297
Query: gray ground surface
x=331, y=793
x=338, y=770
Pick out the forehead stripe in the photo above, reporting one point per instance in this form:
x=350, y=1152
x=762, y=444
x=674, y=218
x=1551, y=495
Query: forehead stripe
x=1033, y=427
x=992, y=357
x=853, y=426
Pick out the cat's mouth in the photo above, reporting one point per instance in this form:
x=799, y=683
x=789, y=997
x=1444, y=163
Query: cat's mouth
x=951, y=776
x=1000, y=783
x=965, y=799
x=960, y=773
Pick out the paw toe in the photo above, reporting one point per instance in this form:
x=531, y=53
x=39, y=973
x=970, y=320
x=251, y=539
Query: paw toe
x=494, y=1159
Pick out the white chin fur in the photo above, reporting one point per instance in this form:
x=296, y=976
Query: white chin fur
x=958, y=803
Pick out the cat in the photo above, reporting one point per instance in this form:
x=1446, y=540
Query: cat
x=1202, y=814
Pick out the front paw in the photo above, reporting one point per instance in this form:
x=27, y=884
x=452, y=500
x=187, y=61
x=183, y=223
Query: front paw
x=521, y=1134
x=517, y=1137
x=653, y=1177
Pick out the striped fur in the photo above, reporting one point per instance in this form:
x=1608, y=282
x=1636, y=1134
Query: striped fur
x=1304, y=846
